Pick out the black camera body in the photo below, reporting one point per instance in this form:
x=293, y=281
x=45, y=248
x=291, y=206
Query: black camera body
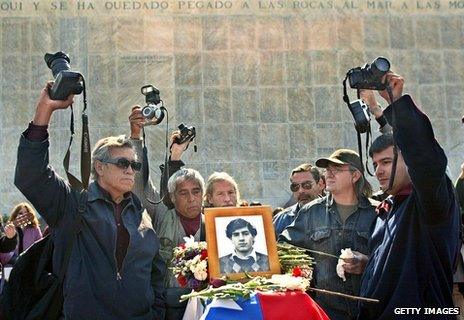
x=151, y=111
x=360, y=112
x=369, y=76
x=67, y=82
x=186, y=134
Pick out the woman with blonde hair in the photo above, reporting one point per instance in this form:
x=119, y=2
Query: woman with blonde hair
x=24, y=217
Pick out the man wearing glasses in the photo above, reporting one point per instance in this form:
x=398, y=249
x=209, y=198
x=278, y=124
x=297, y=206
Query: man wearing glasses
x=114, y=271
x=340, y=220
x=306, y=184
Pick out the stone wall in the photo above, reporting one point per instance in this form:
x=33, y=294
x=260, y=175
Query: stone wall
x=260, y=80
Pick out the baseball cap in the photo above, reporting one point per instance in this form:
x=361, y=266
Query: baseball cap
x=341, y=156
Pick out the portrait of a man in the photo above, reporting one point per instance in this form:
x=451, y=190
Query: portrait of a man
x=244, y=257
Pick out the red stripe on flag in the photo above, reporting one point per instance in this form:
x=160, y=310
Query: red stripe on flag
x=294, y=305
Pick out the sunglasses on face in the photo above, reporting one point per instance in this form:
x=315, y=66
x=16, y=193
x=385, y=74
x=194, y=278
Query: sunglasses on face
x=124, y=163
x=305, y=185
x=335, y=170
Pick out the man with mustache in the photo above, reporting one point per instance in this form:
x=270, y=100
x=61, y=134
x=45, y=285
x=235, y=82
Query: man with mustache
x=342, y=219
x=307, y=184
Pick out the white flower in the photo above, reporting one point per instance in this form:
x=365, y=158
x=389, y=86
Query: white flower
x=200, y=275
x=346, y=254
x=189, y=241
x=290, y=282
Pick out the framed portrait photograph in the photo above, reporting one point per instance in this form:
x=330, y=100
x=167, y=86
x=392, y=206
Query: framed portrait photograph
x=241, y=240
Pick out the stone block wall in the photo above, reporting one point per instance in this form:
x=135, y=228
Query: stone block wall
x=260, y=80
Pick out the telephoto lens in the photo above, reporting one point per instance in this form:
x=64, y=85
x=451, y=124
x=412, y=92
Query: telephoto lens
x=379, y=67
x=369, y=76
x=57, y=62
x=67, y=82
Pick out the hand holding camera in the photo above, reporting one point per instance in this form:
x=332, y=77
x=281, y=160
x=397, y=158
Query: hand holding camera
x=180, y=140
x=137, y=121
x=46, y=106
x=368, y=97
x=396, y=83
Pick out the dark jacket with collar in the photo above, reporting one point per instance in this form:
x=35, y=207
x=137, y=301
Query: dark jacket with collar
x=412, y=265
x=284, y=218
x=93, y=288
x=318, y=226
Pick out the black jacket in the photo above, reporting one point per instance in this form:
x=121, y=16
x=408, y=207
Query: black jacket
x=412, y=265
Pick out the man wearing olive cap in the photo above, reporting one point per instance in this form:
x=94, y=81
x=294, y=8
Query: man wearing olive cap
x=340, y=220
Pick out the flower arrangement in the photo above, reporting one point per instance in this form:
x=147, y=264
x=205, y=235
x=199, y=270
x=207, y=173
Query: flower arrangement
x=190, y=267
x=190, y=264
x=191, y=271
x=294, y=260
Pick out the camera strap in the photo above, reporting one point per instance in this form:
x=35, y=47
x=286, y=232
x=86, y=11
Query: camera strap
x=346, y=98
x=85, y=149
x=146, y=171
x=395, y=148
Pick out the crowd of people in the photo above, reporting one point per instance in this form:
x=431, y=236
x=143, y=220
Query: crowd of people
x=405, y=247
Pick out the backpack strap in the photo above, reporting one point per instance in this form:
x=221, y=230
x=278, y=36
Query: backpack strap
x=75, y=230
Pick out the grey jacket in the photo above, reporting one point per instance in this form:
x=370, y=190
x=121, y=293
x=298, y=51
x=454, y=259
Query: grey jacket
x=318, y=226
x=146, y=191
x=93, y=288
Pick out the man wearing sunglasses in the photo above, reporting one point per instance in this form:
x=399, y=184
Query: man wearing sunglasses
x=306, y=184
x=340, y=220
x=115, y=271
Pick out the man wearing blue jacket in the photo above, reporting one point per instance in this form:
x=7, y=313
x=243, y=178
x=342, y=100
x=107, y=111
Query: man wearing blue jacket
x=114, y=271
x=416, y=238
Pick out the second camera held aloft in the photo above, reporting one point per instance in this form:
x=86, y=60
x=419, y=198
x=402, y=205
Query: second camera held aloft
x=152, y=112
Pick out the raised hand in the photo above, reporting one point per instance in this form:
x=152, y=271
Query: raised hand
x=396, y=83
x=46, y=106
x=177, y=149
x=137, y=121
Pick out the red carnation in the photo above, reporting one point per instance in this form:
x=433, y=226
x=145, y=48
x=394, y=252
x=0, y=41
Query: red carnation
x=182, y=245
x=182, y=280
x=296, y=272
x=204, y=254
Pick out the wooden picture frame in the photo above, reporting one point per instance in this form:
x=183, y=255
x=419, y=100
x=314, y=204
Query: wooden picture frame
x=227, y=239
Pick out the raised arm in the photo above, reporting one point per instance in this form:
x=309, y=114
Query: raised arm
x=34, y=177
x=144, y=190
x=423, y=155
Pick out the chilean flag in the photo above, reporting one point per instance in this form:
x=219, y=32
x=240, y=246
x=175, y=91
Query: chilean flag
x=294, y=305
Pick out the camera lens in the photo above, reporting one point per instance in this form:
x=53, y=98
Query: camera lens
x=382, y=64
x=57, y=62
x=148, y=112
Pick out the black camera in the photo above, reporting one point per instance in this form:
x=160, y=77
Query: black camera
x=186, y=134
x=369, y=76
x=151, y=111
x=360, y=112
x=66, y=82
